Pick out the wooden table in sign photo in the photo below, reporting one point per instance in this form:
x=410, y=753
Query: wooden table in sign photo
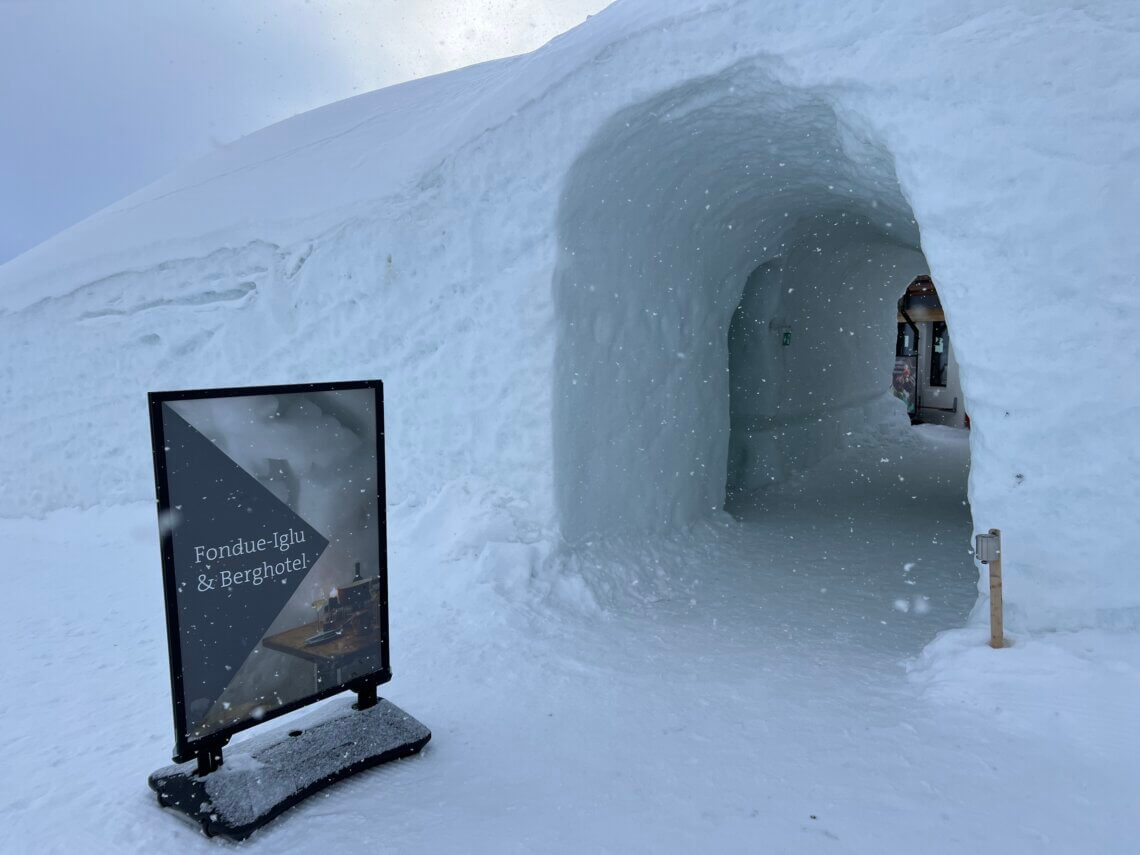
x=345, y=632
x=328, y=656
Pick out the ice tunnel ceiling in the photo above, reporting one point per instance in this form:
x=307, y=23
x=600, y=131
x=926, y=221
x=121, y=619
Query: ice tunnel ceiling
x=676, y=206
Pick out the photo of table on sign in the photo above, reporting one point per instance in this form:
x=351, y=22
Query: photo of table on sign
x=344, y=640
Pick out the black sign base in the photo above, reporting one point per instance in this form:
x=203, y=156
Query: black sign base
x=262, y=777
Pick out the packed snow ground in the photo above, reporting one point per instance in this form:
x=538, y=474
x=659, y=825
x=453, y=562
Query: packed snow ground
x=754, y=684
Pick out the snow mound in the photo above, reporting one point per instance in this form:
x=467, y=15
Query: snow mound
x=543, y=258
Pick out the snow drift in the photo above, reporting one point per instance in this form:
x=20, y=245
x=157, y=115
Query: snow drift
x=543, y=258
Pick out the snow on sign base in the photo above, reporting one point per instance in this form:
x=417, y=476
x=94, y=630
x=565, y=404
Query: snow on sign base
x=265, y=776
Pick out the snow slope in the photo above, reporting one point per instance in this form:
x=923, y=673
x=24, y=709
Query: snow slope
x=697, y=700
x=460, y=237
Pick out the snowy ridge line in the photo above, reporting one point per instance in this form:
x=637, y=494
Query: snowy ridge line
x=22, y=269
x=323, y=219
x=375, y=116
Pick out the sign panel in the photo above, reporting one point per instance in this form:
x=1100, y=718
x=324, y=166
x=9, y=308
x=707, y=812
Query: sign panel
x=271, y=512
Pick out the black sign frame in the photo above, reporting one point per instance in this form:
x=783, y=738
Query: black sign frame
x=210, y=746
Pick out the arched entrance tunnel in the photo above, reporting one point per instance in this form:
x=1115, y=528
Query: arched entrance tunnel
x=732, y=256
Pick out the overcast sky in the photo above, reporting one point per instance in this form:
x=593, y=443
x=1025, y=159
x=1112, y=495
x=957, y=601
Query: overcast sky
x=99, y=97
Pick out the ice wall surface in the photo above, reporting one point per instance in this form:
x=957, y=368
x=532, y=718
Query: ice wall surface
x=542, y=257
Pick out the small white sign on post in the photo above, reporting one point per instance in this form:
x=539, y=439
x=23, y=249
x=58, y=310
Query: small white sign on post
x=987, y=549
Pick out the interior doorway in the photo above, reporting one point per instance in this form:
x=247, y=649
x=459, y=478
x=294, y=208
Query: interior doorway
x=926, y=377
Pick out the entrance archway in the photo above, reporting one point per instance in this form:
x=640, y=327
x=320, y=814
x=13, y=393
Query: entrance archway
x=732, y=253
x=663, y=220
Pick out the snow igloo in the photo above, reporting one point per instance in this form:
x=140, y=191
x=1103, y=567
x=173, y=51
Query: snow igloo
x=543, y=258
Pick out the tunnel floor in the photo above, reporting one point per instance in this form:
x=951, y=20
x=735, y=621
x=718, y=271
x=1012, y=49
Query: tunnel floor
x=865, y=553
x=871, y=547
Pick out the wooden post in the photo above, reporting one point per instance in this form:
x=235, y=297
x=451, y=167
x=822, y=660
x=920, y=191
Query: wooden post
x=997, y=629
x=987, y=549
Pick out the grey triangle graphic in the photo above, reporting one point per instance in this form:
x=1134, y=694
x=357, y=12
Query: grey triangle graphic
x=217, y=503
